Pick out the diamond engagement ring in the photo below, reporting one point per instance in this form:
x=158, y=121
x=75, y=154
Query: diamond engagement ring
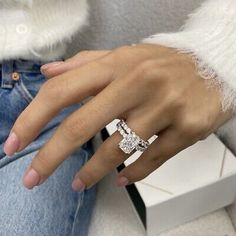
x=130, y=140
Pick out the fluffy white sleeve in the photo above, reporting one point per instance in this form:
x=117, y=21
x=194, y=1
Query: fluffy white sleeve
x=210, y=36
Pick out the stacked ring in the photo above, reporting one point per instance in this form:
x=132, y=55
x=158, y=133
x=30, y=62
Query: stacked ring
x=131, y=141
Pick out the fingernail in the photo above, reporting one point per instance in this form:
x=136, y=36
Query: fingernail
x=78, y=185
x=52, y=64
x=122, y=181
x=31, y=179
x=12, y=144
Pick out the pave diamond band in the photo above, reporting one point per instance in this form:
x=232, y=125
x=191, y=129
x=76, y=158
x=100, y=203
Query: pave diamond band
x=130, y=141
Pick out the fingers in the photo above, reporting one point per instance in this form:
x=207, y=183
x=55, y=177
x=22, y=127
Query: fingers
x=56, y=68
x=109, y=155
x=74, y=131
x=56, y=94
x=162, y=149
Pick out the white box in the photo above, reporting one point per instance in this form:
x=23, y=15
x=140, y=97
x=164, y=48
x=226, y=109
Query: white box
x=197, y=181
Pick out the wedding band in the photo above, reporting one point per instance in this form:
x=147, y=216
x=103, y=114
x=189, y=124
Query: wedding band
x=131, y=140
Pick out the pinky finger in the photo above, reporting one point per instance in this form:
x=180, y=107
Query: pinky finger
x=162, y=149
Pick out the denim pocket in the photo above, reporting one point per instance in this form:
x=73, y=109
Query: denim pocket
x=29, y=84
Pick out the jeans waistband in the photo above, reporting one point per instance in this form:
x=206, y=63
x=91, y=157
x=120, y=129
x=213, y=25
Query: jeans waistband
x=7, y=68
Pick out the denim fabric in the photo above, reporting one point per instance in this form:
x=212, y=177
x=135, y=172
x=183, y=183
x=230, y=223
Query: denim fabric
x=52, y=209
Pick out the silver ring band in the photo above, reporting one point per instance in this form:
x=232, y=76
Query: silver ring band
x=131, y=141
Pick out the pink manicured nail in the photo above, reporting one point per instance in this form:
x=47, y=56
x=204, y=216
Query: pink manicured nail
x=12, y=144
x=122, y=181
x=52, y=64
x=31, y=179
x=78, y=185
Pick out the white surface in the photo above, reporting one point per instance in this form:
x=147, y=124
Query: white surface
x=114, y=216
x=229, y=164
x=196, y=181
x=190, y=169
x=201, y=164
x=190, y=205
x=187, y=171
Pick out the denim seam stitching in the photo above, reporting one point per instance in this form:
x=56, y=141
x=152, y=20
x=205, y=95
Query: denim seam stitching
x=24, y=92
x=28, y=100
x=80, y=202
x=25, y=89
x=7, y=86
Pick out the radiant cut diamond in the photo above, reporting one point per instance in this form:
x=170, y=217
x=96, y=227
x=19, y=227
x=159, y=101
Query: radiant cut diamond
x=129, y=143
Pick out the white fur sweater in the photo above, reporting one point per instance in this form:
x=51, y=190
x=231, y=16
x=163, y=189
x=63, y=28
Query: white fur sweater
x=39, y=29
x=210, y=36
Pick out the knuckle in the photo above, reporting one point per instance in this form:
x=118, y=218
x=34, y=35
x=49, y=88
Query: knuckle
x=88, y=177
x=146, y=67
x=120, y=53
x=172, y=96
x=43, y=166
x=117, y=55
x=50, y=90
x=20, y=125
x=113, y=153
x=74, y=131
x=174, y=100
x=47, y=86
x=151, y=73
x=106, y=64
x=193, y=128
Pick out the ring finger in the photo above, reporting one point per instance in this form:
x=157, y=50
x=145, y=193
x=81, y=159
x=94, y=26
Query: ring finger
x=109, y=155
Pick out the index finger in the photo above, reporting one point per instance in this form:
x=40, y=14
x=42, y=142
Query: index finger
x=56, y=68
x=76, y=130
x=56, y=94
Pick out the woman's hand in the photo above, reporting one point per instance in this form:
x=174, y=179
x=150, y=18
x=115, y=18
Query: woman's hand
x=155, y=89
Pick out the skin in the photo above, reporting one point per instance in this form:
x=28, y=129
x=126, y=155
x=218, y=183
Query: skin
x=155, y=89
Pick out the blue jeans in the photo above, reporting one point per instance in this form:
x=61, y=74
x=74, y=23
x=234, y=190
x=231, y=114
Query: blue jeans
x=52, y=209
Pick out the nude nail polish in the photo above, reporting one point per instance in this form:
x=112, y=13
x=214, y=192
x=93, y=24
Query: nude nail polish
x=31, y=179
x=122, y=181
x=52, y=64
x=78, y=185
x=11, y=145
